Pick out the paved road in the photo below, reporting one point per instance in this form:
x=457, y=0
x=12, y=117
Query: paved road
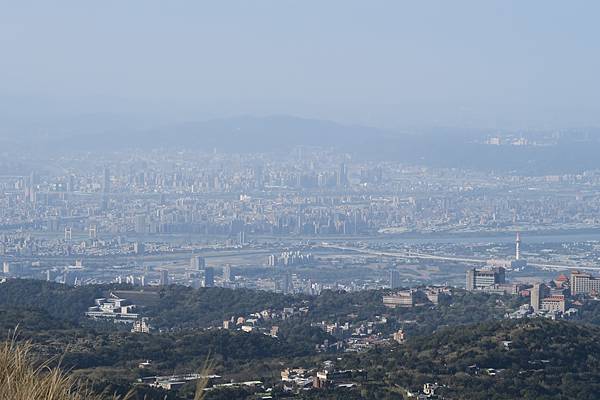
x=423, y=256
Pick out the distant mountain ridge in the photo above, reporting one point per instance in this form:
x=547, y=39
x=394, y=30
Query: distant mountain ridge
x=244, y=133
x=266, y=133
x=455, y=148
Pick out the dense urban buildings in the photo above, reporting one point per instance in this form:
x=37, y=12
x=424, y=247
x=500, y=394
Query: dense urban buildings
x=257, y=200
x=314, y=254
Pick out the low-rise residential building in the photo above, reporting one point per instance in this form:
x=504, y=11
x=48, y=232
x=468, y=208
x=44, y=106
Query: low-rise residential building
x=296, y=379
x=141, y=326
x=554, y=303
x=399, y=336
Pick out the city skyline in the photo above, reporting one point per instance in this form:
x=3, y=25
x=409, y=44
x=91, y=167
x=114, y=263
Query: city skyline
x=300, y=200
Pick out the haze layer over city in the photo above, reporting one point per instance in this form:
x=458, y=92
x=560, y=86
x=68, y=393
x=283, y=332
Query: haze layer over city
x=299, y=200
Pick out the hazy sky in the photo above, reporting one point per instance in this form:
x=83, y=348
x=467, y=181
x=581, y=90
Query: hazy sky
x=385, y=63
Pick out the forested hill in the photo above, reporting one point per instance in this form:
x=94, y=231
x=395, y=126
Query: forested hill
x=179, y=307
x=464, y=343
x=58, y=301
x=527, y=359
x=175, y=306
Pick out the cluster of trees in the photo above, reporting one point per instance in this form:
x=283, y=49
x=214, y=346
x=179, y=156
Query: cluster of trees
x=62, y=302
x=27, y=320
x=180, y=352
x=542, y=360
x=463, y=308
x=183, y=307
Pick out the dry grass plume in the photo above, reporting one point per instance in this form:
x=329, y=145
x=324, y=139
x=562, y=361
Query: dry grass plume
x=21, y=379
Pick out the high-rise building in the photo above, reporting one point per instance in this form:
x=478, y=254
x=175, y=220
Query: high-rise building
x=106, y=181
x=31, y=188
x=342, y=175
x=258, y=176
x=164, y=277
x=93, y=232
x=71, y=183
x=139, y=248
x=287, y=285
x=537, y=294
x=197, y=263
x=105, y=188
x=227, y=273
x=209, y=277
x=141, y=224
x=582, y=283
x=394, y=279
x=481, y=278
x=33, y=180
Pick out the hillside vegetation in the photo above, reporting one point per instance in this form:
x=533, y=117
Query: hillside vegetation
x=529, y=359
